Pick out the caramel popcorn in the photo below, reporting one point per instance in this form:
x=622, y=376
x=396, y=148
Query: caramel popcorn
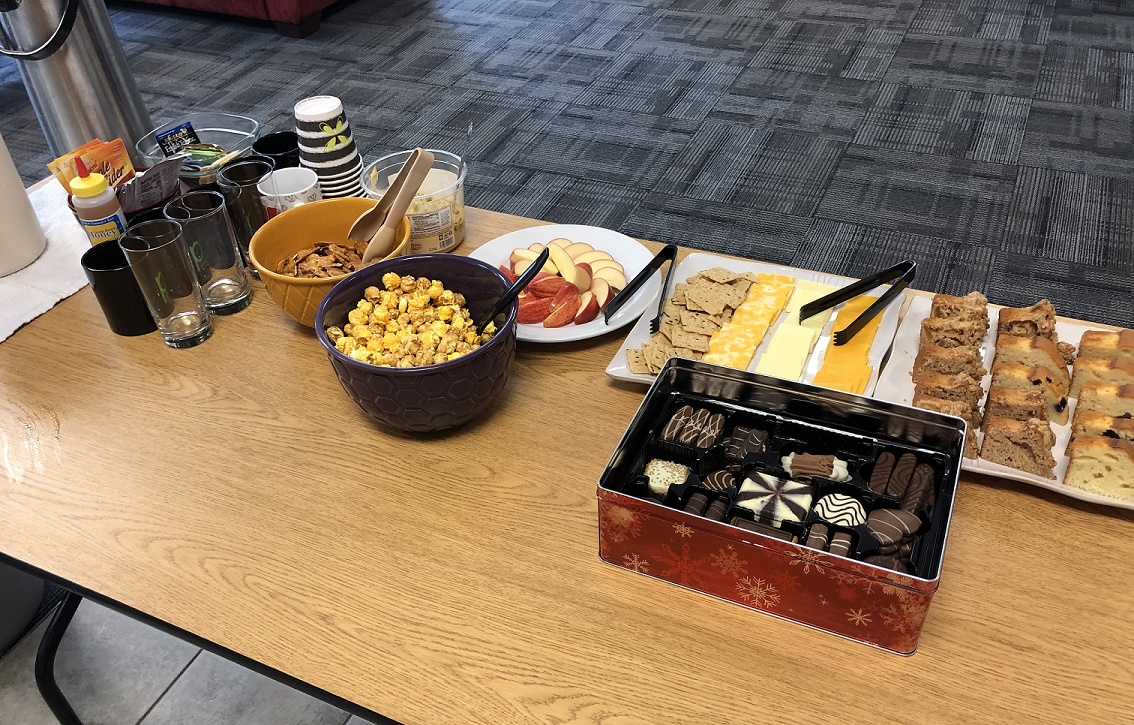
x=409, y=322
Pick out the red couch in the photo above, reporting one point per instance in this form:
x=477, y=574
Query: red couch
x=293, y=18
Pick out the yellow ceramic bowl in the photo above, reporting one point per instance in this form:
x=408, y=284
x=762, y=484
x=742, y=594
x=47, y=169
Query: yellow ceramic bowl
x=321, y=221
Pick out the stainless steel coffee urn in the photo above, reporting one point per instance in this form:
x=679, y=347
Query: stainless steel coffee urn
x=75, y=72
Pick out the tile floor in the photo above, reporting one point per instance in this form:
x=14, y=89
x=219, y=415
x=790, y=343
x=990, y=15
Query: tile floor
x=116, y=671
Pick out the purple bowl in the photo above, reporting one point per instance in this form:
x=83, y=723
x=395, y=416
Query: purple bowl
x=433, y=397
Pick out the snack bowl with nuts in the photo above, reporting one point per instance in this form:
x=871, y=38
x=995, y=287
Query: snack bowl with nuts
x=415, y=315
x=304, y=228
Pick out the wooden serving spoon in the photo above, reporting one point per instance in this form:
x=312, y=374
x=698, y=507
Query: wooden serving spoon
x=379, y=224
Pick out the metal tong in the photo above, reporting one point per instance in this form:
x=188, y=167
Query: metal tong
x=900, y=275
x=667, y=254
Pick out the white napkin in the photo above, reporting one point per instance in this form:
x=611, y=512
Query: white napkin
x=57, y=274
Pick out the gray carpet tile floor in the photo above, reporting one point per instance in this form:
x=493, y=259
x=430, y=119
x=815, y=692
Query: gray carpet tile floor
x=991, y=140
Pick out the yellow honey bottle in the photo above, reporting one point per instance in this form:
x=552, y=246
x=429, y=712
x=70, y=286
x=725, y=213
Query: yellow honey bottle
x=96, y=205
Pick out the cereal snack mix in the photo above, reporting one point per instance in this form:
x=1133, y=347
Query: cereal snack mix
x=410, y=323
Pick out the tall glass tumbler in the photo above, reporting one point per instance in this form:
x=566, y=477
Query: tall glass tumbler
x=167, y=278
x=211, y=242
x=237, y=181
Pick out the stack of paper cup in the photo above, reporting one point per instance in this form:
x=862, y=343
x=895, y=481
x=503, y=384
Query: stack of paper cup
x=326, y=146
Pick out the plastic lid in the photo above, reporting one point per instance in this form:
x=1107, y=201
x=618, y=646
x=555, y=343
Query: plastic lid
x=87, y=184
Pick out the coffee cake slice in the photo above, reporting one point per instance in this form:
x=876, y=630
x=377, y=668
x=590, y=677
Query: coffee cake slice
x=1037, y=320
x=1107, y=344
x=973, y=306
x=950, y=387
x=952, y=333
x=1103, y=465
x=1092, y=423
x=958, y=409
x=1116, y=400
x=948, y=361
x=1015, y=403
x=1023, y=445
x=1033, y=352
x=1092, y=369
x=1022, y=377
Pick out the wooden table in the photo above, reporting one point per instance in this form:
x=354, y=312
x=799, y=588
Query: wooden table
x=234, y=493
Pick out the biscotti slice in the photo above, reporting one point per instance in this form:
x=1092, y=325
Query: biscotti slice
x=959, y=409
x=952, y=333
x=1067, y=352
x=1108, y=345
x=1093, y=369
x=1103, y=465
x=950, y=387
x=1037, y=320
x=1089, y=422
x=1015, y=375
x=1033, y=352
x=1015, y=403
x=1023, y=445
x=973, y=306
x=1116, y=400
x=949, y=361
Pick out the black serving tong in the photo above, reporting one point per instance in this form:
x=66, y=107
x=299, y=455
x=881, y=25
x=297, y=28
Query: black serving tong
x=668, y=253
x=900, y=275
x=517, y=287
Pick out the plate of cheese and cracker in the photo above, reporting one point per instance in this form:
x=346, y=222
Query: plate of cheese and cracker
x=745, y=314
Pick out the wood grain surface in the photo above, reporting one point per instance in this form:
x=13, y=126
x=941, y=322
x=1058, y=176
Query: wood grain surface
x=233, y=490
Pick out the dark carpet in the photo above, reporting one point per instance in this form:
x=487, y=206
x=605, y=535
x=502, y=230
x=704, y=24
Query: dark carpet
x=990, y=140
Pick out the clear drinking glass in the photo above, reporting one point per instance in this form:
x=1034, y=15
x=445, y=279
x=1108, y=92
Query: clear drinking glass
x=211, y=243
x=166, y=276
x=237, y=181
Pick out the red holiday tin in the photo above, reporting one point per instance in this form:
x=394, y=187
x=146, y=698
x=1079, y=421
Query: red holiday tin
x=761, y=560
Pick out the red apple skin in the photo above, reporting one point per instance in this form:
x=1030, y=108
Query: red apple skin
x=548, y=286
x=602, y=291
x=533, y=310
x=588, y=309
x=566, y=292
x=563, y=313
x=509, y=274
x=586, y=268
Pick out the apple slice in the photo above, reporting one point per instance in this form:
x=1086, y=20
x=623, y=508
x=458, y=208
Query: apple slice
x=613, y=277
x=564, y=307
x=602, y=291
x=537, y=248
x=567, y=268
x=547, y=287
x=534, y=310
x=588, y=308
x=561, y=242
x=596, y=266
x=522, y=266
x=508, y=273
x=586, y=268
x=519, y=254
x=592, y=257
x=579, y=248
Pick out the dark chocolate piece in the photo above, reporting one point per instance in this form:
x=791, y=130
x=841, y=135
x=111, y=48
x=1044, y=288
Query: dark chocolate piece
x=774, y=499
x=818, y=537
x=920, y=490
x=883, y=467
x=717, y=509
x=677, y=423
x=759, y=528
x=892, y=526
x=711, y=432
x=838, y=508
x=756, y=442
x=887, y=562
x=692, y=430
x=718, y=480
x=840, y=544
x=734, y=444
x=900, y=478
x=697, y=503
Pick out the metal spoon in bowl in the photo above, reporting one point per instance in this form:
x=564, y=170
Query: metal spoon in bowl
x=514, y=291
x=378, y=225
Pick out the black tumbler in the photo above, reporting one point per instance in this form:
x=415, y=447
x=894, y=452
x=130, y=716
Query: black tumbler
x=116, y=290
x=282, y=147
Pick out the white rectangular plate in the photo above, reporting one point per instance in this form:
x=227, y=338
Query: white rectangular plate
x=896, y=385
x=619, y=368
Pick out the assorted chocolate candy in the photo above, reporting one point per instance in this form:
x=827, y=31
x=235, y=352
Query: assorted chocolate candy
x=810, y=488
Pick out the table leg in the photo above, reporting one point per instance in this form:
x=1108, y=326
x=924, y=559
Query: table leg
x=45, y=661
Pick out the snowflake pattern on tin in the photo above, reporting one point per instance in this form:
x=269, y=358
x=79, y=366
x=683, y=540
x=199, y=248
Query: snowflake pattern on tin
x=682, y=530
x=859, y=617
x=810, y=560
x=729, y=562
x=683, y=566
x=758, y=592
x=633, y=562
x=905, y=615
x=620, y=523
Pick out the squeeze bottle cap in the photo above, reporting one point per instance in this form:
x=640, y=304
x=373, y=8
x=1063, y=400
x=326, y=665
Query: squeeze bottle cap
x=87, y=184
